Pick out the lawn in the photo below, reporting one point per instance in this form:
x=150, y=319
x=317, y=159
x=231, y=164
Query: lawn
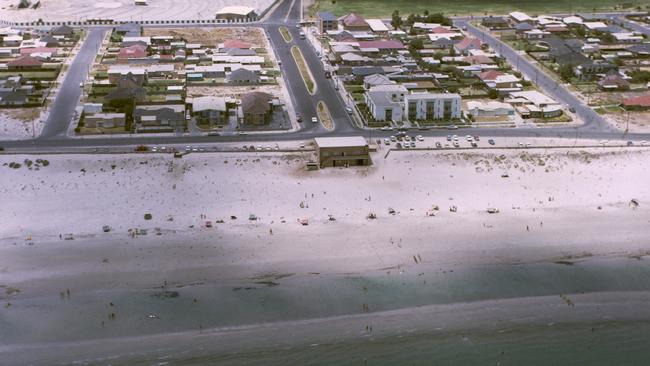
x=304, y=70
x=285, y=34
x=384, y=8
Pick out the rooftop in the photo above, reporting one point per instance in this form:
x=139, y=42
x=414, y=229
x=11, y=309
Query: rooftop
x=352, y=141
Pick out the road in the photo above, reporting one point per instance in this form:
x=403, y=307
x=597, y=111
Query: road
x=68, y=95
x=288, y=13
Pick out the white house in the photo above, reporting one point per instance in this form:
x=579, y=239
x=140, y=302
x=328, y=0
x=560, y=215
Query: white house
x=432, y=106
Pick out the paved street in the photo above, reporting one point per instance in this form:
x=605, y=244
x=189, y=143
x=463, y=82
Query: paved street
x=68, y=95
x=287, y=13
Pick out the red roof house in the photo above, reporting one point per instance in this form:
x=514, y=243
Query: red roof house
x=132, y=52
x=468, y=44
x=642, y=102
x=25, y=62
x=355, y=22
x=30, y=50
x=382, y=45
x=489, y=75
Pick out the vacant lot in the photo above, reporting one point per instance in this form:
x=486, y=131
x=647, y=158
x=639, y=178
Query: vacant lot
x=383, y=8
x=212, y=36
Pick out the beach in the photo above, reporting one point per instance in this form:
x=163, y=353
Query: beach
x=567, y=246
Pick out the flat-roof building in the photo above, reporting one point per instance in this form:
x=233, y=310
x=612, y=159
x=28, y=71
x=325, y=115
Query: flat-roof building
x=342, y=151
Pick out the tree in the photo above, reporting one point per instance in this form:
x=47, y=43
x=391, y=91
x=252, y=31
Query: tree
x=416, y=44
x=23, y=4
x=396, y=21
x=493, y=94
x=566, y=72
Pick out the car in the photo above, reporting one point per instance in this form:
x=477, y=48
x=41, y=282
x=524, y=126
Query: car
x=393, y=138
x=195, y=149
x=298, y=26
x=399, y=145
x=455, y=138
x=469, y=138
x=214, y=133
x=456, y=144
x=491, y=142
x=314, y=120
x=521, y=144
x=81, y=84
x=386, y=141
x=385, y=128
x=259, y=147
x=348, y=109
x=407, y=138
x=630, y=143
x=476, y=138
x=572, y=110
x=474, y=144
x=154, y=149
x=438, y=145
x=452, y=127
x=188, y=149
x=336, y=86
x=244, y=147
x=299, y=117
x=301, y=144
x=419, y=138
x=448, y=137
x=405, y=145
x=412, y=143
x=643, y=143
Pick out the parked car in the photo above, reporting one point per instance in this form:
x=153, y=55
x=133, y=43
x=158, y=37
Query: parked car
x=438, y=145
x=299, y=117
x=314, y=120
x=448, y=137
x=476, y=138
x=412, y=143
x=386, y=141
x=491, y=142
x=419, y=138
x=393, y=138
x=348, y=109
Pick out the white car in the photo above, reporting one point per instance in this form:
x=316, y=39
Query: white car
x=407, y=138
x=314, y=120
x=387, y=141
x=469, y=138
x=301, y=144
x=419, y=138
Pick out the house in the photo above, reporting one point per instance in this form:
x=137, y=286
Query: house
x=129, y=29
x=242, y=76
x=39, y=50
x=13, y=98
x=432, y=106
x=377, y=26
x=637, y=103
x=355, y=23
x=134, y=52
x=386, y=102
x=327, y=21
x=140, y=2
x=104, y=120
x=443, y=43
x=489, y=109
x=159, y=118
x=613, y=81
x=236, y=13
x=627, y=37
x=129, y=88
x=352, y=59
x=342, y=151
x=533, y=104
x=467, y=44
x=376, y=79
x=210, y=110
x=62, y=30
x=256, y=108
x=519, y=17
x=92, y=108
x=383, y=45
x=535, y=34
x=25, y=62
x=493, y=22
x=12, y=41
x=49, y=41
x=640, y=50
x=522, y=28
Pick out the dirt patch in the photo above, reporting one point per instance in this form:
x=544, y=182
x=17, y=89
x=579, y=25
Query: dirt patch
x=233, y=91
x=212, y=36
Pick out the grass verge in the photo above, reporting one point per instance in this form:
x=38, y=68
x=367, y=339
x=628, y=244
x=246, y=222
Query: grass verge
x=324, y=116
x=304, y=70
x=285, y=34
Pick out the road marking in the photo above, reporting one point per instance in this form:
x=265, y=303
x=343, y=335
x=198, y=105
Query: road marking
x=289, y=12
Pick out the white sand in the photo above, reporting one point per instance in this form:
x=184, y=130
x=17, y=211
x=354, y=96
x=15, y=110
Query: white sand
x=75, y=10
